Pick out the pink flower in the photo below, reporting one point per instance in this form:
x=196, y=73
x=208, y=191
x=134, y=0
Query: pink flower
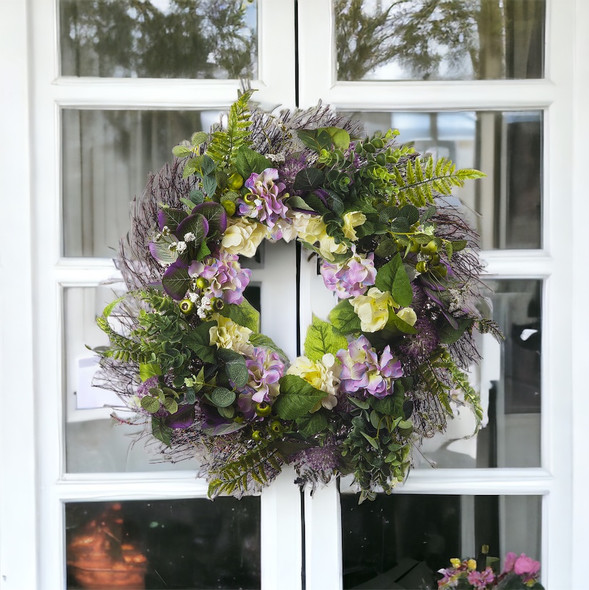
x=525, y=565
x=480, y=580
x=509, y=562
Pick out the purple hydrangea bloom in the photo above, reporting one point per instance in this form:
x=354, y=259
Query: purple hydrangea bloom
x=263, y=202
x=225, y=277
x=363, y=370
x=351, y=278
x=265, y=369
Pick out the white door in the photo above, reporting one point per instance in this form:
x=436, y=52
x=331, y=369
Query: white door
x=87, y=116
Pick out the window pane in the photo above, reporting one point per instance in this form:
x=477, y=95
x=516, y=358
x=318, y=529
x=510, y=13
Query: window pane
x=510, y=390
x=159, y=38
x=106, y=157
x=506, y=206
x=95, y=442
x=433, y=40
x=401, y=541
x=182, y=544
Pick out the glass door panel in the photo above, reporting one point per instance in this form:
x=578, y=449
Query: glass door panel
x=430, y=40
x=159, y=39
x=505, y=207
x=191, y=544
x=509, y=381
x=402, y=540
x=106, y=158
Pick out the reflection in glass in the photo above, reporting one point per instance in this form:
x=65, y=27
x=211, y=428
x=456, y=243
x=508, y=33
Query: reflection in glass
x=433, y=40
x=401, y=541
x=510, y=389
x=173, y=544
x=506, y=206
x=95, y=443
x=159, y=38
x=106, y=158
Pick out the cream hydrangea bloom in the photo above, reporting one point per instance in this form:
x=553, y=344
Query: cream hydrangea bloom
x=352, y=219
x=228, y=334
x=408, y=315
x=373, y=309
x=322, y=375
x=312, y=229
x=243, y=236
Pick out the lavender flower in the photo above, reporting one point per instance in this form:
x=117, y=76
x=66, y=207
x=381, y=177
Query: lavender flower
x=263, y=202
x=224, y=277
x=352, y=278
x=265, y=369
x=363, y=370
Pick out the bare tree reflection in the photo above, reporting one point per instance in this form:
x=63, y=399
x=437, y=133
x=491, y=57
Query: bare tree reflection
x=440, y=39
x=158, y=38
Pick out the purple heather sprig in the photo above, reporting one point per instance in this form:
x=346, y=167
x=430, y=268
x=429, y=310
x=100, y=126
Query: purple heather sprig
x=222, y=276
x=363, y=370
x=351, y=278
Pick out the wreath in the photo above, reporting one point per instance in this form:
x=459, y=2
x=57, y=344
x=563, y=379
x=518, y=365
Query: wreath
x=375, y=377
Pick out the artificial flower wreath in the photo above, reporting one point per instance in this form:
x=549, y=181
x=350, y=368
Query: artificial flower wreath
x=375, y=377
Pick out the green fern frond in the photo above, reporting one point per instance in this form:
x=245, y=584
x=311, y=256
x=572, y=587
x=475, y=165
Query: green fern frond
x=237, y=475
x=423, y=179
x=433, y=384
x=225, y=143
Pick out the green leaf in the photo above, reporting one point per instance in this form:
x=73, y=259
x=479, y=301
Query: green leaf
x=410, y=213
x=297, y=398
x=296, y=202
x=171, y=405
x=198, y=340
x=150, y=404
x=222, y=397
x=449, y=334
x=310, y=425
x=176, y=281
x=182, y=151
x=373, y=442
x=244, y=314
x=209, y=184
x=147, y=370
x=196, y=224
x=392, y=277
x=161, y=431
x=344, y=318
x=172, y=217
x=315, y=139
x=160, y=249
x=248, y=161
x=339, y=137
x=308, y=179
x=198, y=138
x=387, y=405
x=235, y=366
x=360, y=403
x=227, y=412
x=323, y=339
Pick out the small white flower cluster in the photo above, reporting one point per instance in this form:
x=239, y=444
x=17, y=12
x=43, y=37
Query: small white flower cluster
x=203, y=304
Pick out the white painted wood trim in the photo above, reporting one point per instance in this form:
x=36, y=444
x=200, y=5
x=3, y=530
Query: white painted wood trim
x=18, y=476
